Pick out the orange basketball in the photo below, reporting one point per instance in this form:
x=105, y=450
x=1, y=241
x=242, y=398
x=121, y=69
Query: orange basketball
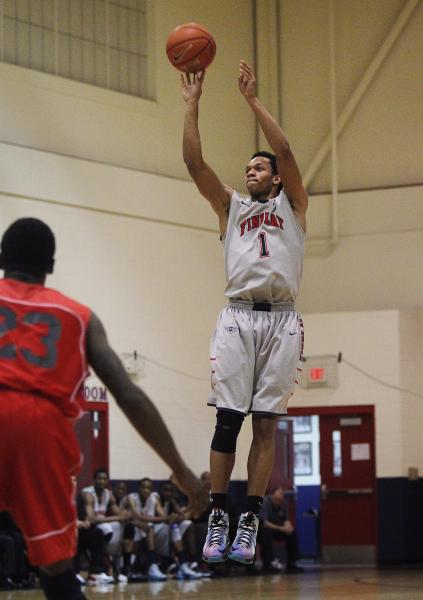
x=190, y=48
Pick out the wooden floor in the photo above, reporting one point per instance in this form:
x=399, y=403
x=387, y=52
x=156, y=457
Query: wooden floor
x=317, y=584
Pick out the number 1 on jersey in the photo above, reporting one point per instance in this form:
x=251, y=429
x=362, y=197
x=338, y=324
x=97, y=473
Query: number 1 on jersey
x=264, y=251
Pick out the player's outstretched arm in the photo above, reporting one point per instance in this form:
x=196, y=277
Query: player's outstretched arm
x=206, y=180
x=141, y=412
x=287, y=166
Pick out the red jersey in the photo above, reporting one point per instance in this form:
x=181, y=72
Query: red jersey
x=43, y=343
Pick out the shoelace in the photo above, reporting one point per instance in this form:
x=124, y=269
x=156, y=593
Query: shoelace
x=217, y=529
x=246, y=530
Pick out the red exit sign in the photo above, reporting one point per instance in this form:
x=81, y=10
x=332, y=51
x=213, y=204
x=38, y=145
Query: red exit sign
x=317, y=374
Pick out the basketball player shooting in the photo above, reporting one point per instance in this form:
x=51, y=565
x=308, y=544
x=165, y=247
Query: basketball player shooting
x=258, y=339
x=46, y=343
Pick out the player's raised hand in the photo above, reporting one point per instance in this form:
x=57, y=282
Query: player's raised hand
x=192, y=86
x=246, y=80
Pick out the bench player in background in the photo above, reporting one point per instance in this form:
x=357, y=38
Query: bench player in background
x=46, y=343
x=259, y=338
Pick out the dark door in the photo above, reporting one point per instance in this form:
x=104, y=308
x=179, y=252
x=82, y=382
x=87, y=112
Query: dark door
x=348, y=500
x=92, y=431
x=283, y=467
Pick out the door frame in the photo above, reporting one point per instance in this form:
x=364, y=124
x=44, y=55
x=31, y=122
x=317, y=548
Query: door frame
x=300, y=411
x=89, y=407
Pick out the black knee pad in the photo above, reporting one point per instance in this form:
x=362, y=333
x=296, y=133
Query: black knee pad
x=226, y=432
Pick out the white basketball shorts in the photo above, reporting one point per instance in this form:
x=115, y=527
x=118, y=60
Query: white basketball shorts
x=256, y=358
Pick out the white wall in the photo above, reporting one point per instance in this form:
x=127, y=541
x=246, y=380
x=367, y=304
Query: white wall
x=378, y=260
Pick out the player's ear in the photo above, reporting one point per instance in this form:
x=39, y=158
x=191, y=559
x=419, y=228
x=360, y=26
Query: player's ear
x=50, y=268
x=276, y=179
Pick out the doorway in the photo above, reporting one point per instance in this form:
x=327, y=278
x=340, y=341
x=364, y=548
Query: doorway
x=336, y=512
x=92, y=431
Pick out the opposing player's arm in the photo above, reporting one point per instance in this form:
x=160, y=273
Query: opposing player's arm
x=287, y=165
x=140, y=411
x=206, y=180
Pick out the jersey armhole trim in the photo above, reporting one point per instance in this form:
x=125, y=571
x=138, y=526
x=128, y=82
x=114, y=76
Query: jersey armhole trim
x=301, y=231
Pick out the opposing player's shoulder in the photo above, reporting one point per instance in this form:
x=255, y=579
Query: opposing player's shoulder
x=52, y=295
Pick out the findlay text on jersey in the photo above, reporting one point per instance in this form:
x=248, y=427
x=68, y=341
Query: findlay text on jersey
x=255, y=221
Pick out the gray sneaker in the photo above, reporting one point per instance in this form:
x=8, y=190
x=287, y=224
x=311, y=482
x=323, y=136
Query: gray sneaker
x=244, y=547
x=215, y=549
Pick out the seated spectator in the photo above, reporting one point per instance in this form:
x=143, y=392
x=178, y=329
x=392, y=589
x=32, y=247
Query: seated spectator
x=120, y=492
x=91, y=540
x=102, y=512
x=274, y=525
x=150, y=526
x=182, y=535
x=14, y=567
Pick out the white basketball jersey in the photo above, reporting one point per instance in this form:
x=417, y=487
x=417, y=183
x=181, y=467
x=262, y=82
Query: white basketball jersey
x=149, y=508
x=264, y=249
x=100, y=506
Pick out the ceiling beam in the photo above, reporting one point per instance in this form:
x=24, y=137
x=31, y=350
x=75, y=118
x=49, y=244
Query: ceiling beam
x=360, y=90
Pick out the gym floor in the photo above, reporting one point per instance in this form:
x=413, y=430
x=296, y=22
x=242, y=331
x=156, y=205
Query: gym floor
x=316, y=584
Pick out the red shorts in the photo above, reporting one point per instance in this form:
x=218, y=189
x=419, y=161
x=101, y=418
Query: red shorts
x=39, y=455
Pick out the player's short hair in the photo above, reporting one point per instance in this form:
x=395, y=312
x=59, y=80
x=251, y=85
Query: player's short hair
x=270, y=156
x=141, y=481
x=28, y=245
x=98, y=472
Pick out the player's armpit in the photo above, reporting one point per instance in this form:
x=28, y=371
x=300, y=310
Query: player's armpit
x=210, y=186
x=292, y=183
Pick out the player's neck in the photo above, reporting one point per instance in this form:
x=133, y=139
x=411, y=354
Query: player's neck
x=99, y=491
x=263, y=198
x=25, y=277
